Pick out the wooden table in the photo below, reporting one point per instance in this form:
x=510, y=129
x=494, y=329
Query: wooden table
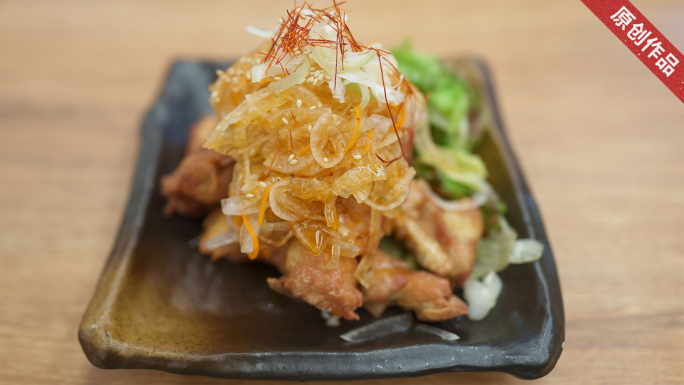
x=600, y=138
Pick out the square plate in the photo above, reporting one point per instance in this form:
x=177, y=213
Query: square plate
x=161, y=305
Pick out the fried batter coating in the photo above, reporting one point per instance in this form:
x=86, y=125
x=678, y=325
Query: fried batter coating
x=444, y=242
x=389, y=281
x=202, y=178
x=329, y=289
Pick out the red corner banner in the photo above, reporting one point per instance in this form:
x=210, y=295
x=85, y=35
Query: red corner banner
x=644, y=40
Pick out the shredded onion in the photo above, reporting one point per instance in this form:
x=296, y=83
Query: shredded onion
x=334, y=261
x=348, y=250
x=275, y=226
x=362, y=270
x=463, y=204
x=362, y=192
x=275, y=206
x=239, y=205
x=396, y=196
x=494, y=250
x=259, y=72
x=246, y=241
x=324, y=131
x=222, y=239
x=297, y=77
x=526, y=250
x=328, y=66
x=356, y=60
x=459, y=166
x=482, y=295
x=352, y=179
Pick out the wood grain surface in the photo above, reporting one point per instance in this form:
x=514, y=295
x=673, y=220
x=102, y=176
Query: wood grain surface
x=600, y=139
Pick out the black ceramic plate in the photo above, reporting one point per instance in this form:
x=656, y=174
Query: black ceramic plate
x=161, y=305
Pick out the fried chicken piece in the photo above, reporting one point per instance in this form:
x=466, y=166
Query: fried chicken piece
x=430, y=297
x=389, y=281
x=202, y=178
x=329, y=289
x=444, y=242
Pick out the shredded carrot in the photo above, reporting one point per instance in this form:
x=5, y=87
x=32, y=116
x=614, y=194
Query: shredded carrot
x=262, y=209
x=356, y=130
x=236, y=98
x=304, y=150
x=252, y=234
x=370, y=135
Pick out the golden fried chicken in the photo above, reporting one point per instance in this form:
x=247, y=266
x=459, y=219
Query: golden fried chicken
x=389, y=281
x=444, y=242
x=202, y=178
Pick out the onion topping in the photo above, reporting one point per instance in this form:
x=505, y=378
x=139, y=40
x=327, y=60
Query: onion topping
x=463, y=204
x=526, y=250
x=297, y=77
x=482, y=295
x=222, y=239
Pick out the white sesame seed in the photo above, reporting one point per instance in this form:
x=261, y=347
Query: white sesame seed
x=309, y=80
x=285, y=121
x=310, y=128
x=325, y=160
x=312, y=107
x=293, y=161
x=334, y=116
x=320, y=77
x=317, y=72
x=281, y=20
x=262, y=184
x=240, y=72
x=320, y=105
x=235, y=79
x=315, y=82
x=249, y=196
x=276, y=78
x=290, y=157
x=299, y=103
x=231, y=71
x=357, y=156
x=248, y=75
x=327, y=77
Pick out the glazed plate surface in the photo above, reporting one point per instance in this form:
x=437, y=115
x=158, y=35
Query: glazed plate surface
x=160, y=304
